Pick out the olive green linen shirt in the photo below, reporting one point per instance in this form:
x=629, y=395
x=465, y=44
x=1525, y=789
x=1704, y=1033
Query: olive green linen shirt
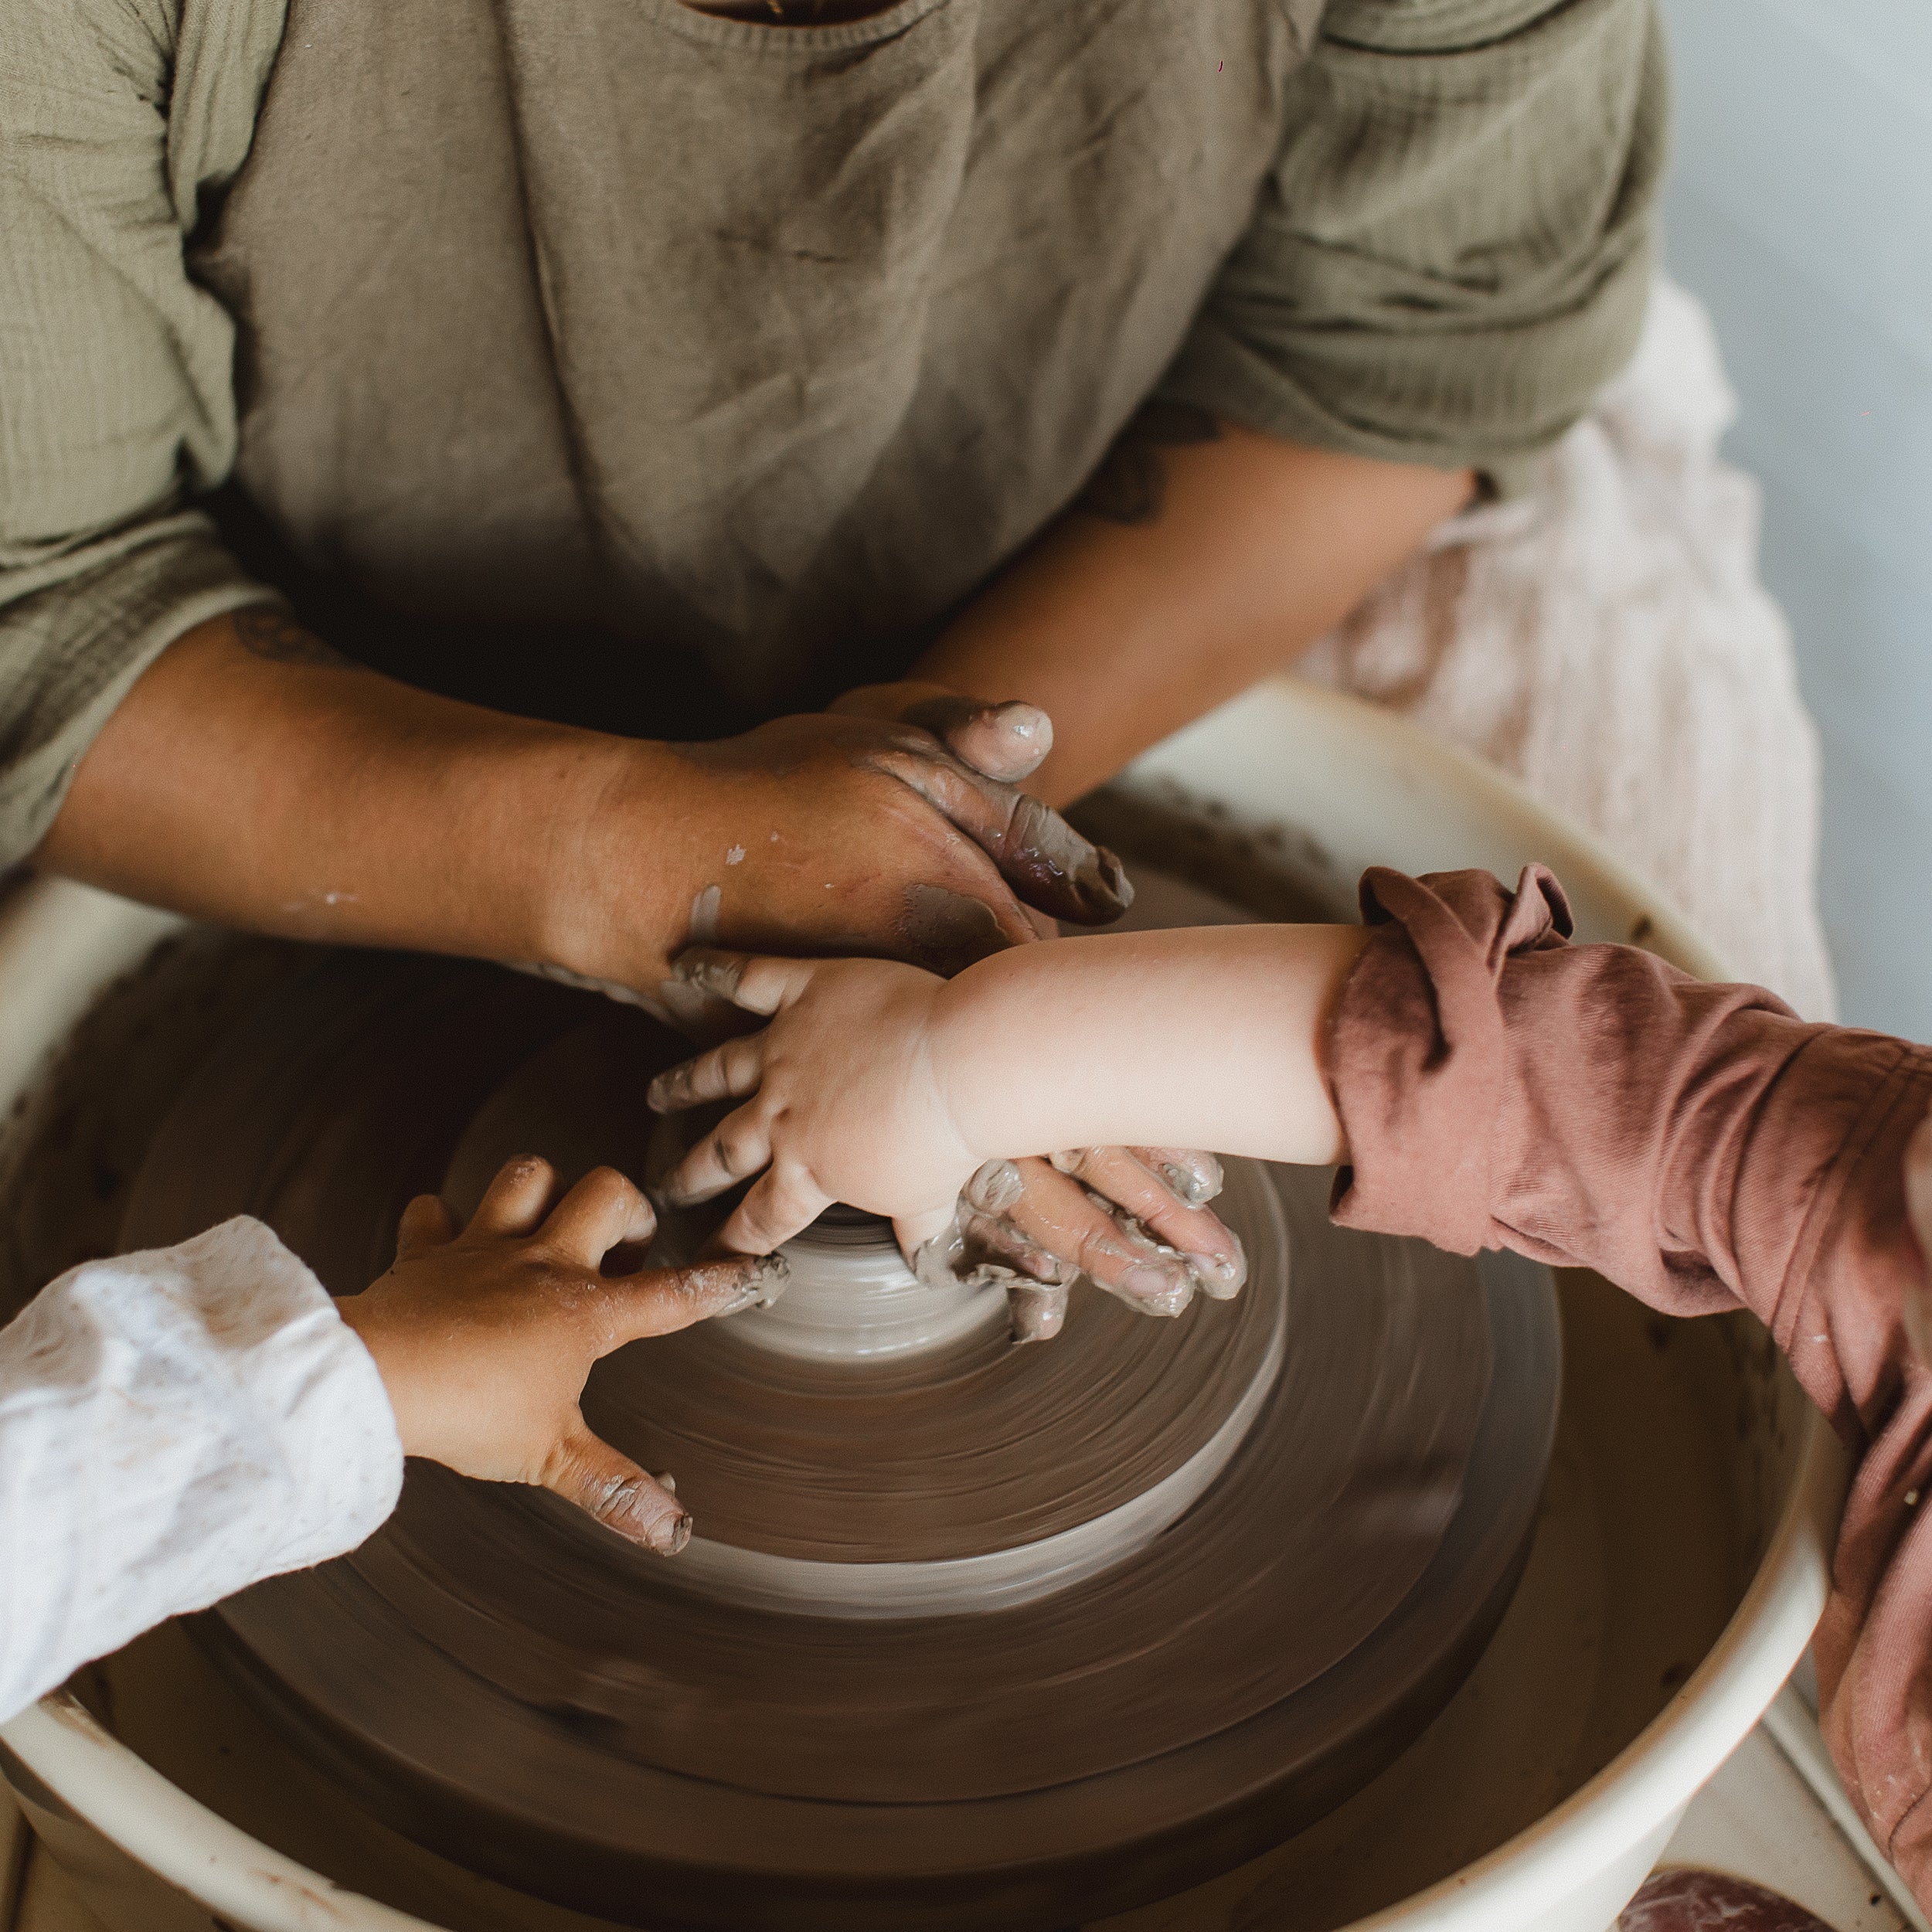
x=1448, y=258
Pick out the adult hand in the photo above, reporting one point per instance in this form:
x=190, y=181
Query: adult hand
x=823, y=1122
x=253, y=780
x=825, y=833
x=484, y=1338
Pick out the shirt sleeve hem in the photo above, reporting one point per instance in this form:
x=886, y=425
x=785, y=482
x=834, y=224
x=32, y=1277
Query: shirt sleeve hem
x=335, y=1423
x=1217, y=373
x=158, y=599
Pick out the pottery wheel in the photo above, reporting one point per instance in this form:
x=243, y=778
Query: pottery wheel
x=968, y=1635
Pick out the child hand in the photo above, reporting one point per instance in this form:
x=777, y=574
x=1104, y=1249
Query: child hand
x=820, y=1123
x=874, y=1127
x=484, y=1338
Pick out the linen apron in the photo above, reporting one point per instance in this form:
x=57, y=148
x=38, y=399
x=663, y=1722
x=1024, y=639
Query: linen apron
x=622, y=364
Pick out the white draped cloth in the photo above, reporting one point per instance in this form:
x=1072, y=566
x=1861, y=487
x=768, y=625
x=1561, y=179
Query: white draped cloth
x=1607, y=642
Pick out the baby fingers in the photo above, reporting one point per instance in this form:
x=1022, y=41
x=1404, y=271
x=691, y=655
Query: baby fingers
x=737, y=1147
x=785, y=1203
x=727, y=1072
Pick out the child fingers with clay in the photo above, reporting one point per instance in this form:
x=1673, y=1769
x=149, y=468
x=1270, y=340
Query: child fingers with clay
x=177, y=1425
x=1476, y=1080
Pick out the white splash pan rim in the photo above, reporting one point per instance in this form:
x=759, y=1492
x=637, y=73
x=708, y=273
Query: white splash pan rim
x=1644, y=1787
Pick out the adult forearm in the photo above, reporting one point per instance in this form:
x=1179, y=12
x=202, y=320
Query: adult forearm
x=252, y=778
x=1194, y=1039
x=1202, y=557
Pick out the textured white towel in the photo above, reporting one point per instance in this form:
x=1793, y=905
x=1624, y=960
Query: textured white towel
x=1607, y=642
x=174, y=1426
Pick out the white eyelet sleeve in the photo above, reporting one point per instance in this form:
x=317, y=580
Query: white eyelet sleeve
x=174, y=1426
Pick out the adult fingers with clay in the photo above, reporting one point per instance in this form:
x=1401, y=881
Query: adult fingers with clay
x=484, y=1338
x=1139, y=1184
x=1005, y=742
x=1111, y=1213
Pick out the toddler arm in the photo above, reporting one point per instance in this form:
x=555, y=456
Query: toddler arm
x=884, y=1086
x=1593, y=1106
x=1706, y=1149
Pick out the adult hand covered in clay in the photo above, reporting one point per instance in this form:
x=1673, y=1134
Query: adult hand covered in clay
x=858, y=836
x=1133, y=1219
x=483, y=1339
x=819, y=1124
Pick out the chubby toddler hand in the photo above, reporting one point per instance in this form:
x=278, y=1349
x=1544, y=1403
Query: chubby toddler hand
x=820, y=1123
x=484, y=1338
x=846, y=1098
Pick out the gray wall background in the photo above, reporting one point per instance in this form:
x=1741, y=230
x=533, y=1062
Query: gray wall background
x=1800, y=210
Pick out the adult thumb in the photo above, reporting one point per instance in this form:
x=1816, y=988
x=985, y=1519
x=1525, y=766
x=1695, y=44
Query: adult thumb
x=585, y=1470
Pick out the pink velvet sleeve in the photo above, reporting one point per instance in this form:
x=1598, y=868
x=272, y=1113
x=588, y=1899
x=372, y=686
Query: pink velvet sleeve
x=1706, y=1149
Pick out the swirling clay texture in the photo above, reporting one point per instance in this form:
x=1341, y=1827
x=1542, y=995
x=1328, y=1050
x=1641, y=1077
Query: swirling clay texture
x=507, y=1683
